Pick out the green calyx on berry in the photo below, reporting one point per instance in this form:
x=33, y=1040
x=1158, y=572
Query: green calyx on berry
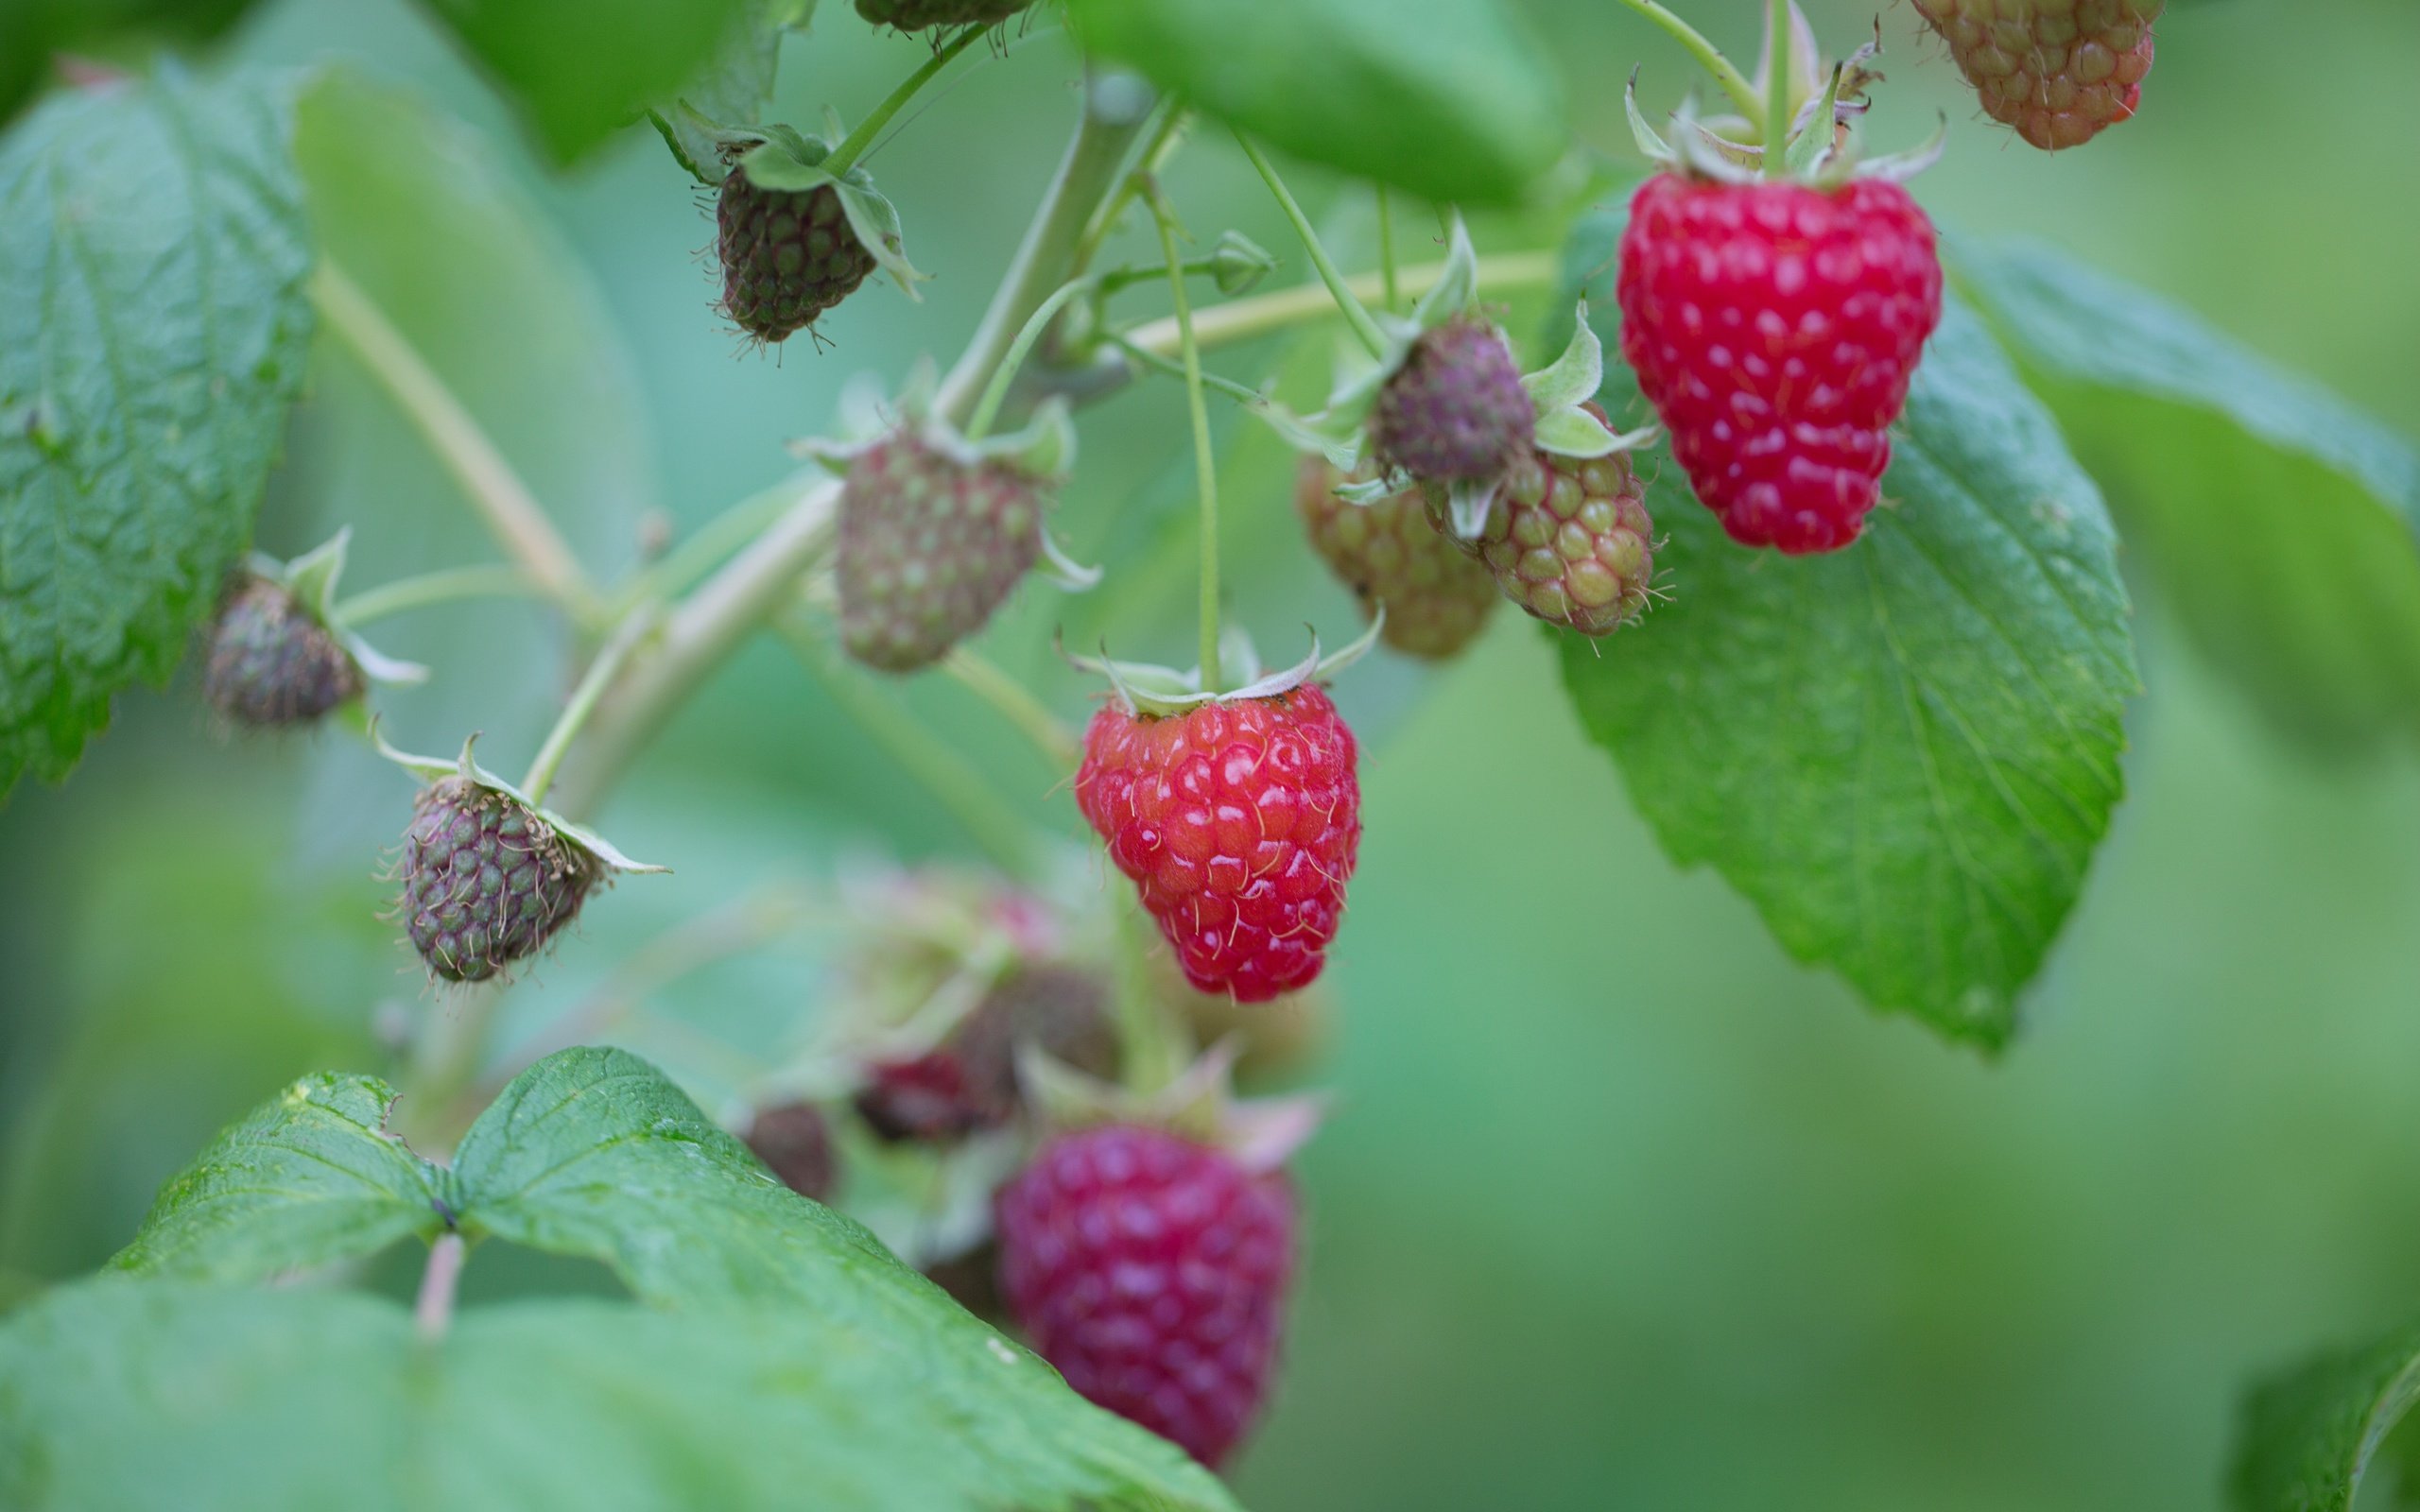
x=1143, y=688
x=488, y=875
x=278, y=653
x=1365, y=410
x=1827, y=108
x=1197, y=1104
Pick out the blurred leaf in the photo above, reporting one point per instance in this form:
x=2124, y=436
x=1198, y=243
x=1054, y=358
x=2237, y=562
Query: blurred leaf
x=735, y=86
x=123, y=1393
x=152, y=328
x=1456, y=102
x=2282, y=523
x=2308, y=1434
x=797, y=1354
x=307, y=1180
x=579, y=70
x=32, y=32
x=1903, y=753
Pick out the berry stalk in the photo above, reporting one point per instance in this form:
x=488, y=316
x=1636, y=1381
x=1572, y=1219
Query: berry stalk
x=452, y=585
x=853, y=147
x=1735, y=83
x=995, y=393
x=1777, y=91
x=511, y=512
x=1355, y=314
x=1392, y=301
x=1015, y=702
x=433, y=1310
x=593, y=684
x=1205, y=462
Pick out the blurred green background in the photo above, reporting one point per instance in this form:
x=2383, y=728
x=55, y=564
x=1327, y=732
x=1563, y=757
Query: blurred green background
x=1618, y=1207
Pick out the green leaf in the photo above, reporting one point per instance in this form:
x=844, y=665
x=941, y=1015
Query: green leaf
x=2308, y=1435
x=734, y=88
x=310, y=1177
x=774, y=1332
x=580, y=69
x=1458, y=103
x=123, y=1393
x=152, y=331
x=2282, y=524
x=1905, y=753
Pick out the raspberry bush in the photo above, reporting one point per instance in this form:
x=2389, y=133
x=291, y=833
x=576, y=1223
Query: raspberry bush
x=1799, y=497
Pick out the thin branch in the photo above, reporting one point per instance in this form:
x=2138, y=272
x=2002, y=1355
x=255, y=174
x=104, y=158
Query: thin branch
x=447, y=586
x=494, y=490
x=1241, y=319
x=433, y=1313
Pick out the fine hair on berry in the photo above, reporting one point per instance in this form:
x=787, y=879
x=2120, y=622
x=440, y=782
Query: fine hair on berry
x=486, y=881
x=1151, y=1271
x=1238, y=821
x=1775, y=327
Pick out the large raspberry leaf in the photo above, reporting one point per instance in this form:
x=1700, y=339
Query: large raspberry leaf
x=2308, y=1434
x=775, y=1351
x=1903, y=753
x=1453, y=99
x=579, y=70
x=2280, y=522
x=152, y=330
x=733, y=89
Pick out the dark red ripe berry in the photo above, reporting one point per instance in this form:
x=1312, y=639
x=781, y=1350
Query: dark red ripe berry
x=786, y=257
x=795, y=1143
x=270, y=662
x=1151, y=1271
x=1239, y=822
x=1774, y=328
x=969, y=1081
x=915, y=15
x=486, y=881
x=1456, y=408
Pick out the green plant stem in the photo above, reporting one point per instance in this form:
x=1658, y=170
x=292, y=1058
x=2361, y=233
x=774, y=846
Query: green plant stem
x=1777, y=90
x=1242, y=319
x=1735, y=83
x=1394, y=295
x=433, y=1311
x=1005, y=834
x=853, y=147
x=1047, y=258
x=1152, y=1045
x=484, y=580
x=1015, y=702
x=1170, y=366
x=714, y=543
x=995, y=393
x=1355, y=314
x=1156, y=149
x=511, y=511
x=582, y=702
x=1205, y=458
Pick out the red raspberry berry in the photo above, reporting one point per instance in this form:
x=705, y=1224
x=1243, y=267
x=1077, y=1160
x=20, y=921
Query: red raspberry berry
x=1151, y=1271
x=2061, y=71
x=1774, y=328
x=1239, y=822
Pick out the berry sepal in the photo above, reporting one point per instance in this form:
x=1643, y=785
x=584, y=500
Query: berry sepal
x=1143, y=688
x=1197, y=1104
x=603, y=856
x=782, y=160
x=311, y=580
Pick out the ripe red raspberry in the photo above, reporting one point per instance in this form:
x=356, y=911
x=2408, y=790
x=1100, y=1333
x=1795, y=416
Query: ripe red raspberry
x=1774, y=328
x=2059, y=71
x=1239, y=822
x=1151, y=1271
x=1388, y=554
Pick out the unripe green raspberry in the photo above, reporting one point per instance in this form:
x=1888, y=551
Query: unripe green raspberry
x=786, y=257
x=915, y=15
x=271, y=663
x=1569, y=540
x=1388, y=552
x=929, y=545
x=486, y=881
